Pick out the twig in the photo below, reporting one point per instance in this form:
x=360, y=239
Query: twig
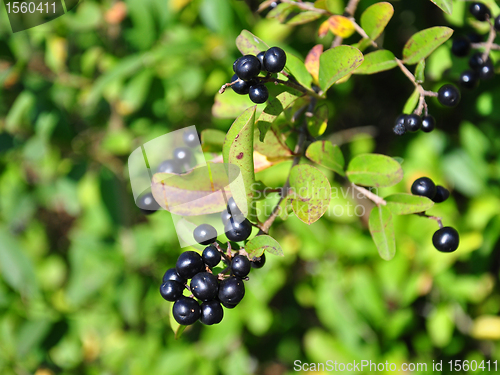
x=362, y=32
x=306, y=6
x=493, y=47
x=373, y=197
x=489, y=42
x=438, y=219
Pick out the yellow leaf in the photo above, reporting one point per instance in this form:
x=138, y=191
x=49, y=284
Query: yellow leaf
x=486, y=327
x=323, y=29
x=312, y=61
x=341, y=26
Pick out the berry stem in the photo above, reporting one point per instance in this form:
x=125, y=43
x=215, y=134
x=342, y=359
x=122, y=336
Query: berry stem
x=373, y=197
x=436, y=218
x=489, y=43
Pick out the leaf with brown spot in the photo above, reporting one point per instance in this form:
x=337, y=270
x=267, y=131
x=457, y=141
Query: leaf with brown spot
x=238, y=150
x=341, y=26
x=310, y=194
x=326, y=154
x=248, y=43
x=336, y=63
x=263, y=243
x=423, y=43
x=312, y=61
x=375, y=18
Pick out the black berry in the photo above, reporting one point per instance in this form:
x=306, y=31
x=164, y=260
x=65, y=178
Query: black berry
x=240, y=266
x=147, y=204
x=238, y=231
x=428, y=123
x=211, y=256
x=476, y=61
x=204, y=286
x=225, y=216
x=258, y=93
x=229, y=305
x=211, y=312
x=274, y=60
x=461, y=46
x=232, y=207
x=442, y=194
x=468, y=79
x=475, y=38
x=446, y=239
x=240, y=87
x=258, y=262
x=260, y=56
x=497, y=23
x=191, y=138
x=247, y=67
x=186, y=310
x=189, y=264
x=448, y=95
x=399, y=125
x=172, y=274
x=424, y=187
x=171, y=290
x=487, y=71
x=413, y=123
x=205, y=234
x=480, y=11
x=183, y=156
x=231, y=290
x=169, y=166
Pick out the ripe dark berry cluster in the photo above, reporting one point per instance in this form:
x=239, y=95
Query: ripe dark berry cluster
x=247, y=68
x=446, y=239
x=480, y=68
x=209, y=292
x=412, y=123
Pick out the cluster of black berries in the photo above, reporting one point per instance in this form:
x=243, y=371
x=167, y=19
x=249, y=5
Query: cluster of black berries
x=182, y=161
x=445, y=239
x=448, y=95
x=209, y=292
x=247, y=69
x=412, y=123
x=480, y=68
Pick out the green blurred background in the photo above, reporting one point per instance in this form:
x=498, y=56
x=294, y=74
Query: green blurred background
x=80, y=266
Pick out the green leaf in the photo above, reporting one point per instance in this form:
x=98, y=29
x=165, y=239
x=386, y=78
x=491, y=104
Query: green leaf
x=423, y=43
x=212, y=140
x=281, y=11
x=136, y=91
x=230, y=104
x=404, y=204
x=297, y=68
x=177, y=328
x=238, y=150
x=273, y=147
x=382, y=231
x=319, y=121
x=303, y=17
x=15, y=266
x=420, y=71
x=336, y=63
x=377, y=61
x=310, y=194
x=375, y=18
x=274, y=108
x=257, y=245
x=412, y=102
x=374, y=170
x=327, y=154
x=445, y=5
x=248, y=43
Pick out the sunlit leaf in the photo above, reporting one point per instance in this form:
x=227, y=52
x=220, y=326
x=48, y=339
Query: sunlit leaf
x=404, y=204
x=327, y=155
x=423, y=43
x=336, y=63
x=263, y=243
x=382, y=231
x=374, y=170
x=376, y=62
